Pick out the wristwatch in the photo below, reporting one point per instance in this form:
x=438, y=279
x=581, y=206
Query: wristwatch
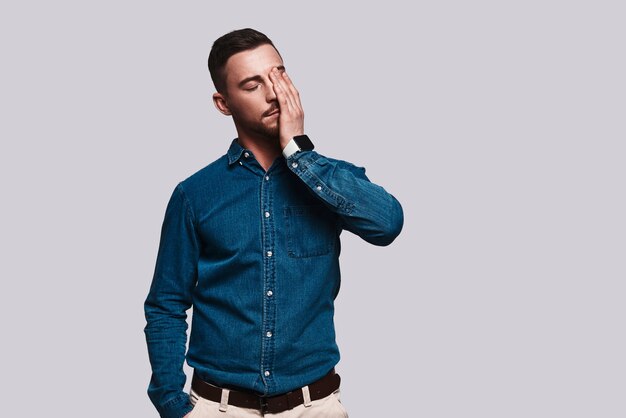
x=298, y=143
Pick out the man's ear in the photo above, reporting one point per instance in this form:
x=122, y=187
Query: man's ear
x=220, y=103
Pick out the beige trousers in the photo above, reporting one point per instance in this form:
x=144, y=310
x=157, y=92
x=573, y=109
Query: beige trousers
x=328, y=407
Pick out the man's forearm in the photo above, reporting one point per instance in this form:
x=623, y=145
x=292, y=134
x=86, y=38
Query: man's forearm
x=365, y=208
x=166, y=338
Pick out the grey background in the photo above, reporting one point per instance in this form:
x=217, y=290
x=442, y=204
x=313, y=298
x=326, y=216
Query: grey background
x=498, y=125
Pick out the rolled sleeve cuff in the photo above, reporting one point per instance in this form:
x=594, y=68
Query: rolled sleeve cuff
x=302, y=159
x=177, y=407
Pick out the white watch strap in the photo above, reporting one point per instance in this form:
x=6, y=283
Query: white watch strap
x=291, y=148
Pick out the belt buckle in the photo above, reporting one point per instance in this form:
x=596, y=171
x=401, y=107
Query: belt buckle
x=263, y=404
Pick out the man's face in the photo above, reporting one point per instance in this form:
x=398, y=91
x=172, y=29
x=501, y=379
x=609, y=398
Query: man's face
x=249, y=93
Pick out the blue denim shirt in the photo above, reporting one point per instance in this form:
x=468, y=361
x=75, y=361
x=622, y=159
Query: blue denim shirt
x=257, y=256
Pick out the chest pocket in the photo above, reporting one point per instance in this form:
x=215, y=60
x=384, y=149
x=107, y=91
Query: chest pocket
x=311, y=231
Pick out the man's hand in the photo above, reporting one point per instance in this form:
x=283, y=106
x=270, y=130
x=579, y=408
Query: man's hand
x=291, y=118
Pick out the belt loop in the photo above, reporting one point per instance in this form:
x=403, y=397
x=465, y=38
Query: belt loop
x=224, y=401
x=306, y=395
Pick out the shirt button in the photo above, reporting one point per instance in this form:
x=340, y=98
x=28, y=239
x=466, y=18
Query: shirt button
x=269, y=334
x=267, y=214
x=294, y=165
x=318, y=187
x=240, y=163
x=246, y=154
x=267, y=177
x=269, y=253
x=269, y=293
x=267, y=373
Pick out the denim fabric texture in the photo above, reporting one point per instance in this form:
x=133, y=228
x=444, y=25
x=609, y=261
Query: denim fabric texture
x=257, y=256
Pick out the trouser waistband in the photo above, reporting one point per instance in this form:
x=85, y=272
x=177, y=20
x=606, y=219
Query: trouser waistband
x=268, y=404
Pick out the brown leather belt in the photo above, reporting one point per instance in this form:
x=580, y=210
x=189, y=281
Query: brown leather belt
x=268, y=404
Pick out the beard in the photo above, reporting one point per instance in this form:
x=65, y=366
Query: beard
x=269, y=131
x=264, y=128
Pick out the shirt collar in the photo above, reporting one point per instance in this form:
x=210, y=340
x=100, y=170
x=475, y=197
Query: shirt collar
x=234, y=152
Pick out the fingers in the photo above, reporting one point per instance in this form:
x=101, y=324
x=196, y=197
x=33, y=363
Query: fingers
x=291, y=118
x=293, y=92
x=281, y=92
x=286, y=93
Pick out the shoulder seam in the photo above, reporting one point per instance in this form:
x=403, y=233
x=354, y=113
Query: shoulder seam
x=187, y=203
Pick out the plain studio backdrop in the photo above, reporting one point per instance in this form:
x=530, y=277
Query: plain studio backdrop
x=498, y=125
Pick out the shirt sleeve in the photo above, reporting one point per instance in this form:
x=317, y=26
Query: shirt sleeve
x=364, y=208
x=166, y=307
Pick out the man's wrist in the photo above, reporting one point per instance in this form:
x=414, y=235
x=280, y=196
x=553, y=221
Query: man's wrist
x=298, y=143
x=290, y=149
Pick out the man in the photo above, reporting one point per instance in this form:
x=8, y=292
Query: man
x=252, y=243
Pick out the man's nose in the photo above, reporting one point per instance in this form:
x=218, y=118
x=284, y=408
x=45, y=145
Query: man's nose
x=270, y=95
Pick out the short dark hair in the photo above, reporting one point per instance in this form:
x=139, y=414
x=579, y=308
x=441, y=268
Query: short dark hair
x=228, y=45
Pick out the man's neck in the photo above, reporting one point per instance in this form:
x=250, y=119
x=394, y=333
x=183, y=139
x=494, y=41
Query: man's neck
x=265, y=150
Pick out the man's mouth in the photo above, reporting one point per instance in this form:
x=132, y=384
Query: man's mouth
x=272, y=112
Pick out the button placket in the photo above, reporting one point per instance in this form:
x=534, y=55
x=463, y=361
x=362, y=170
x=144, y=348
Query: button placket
x=269, y=271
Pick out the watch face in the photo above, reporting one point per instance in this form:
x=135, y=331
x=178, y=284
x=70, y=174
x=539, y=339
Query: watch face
x=304, y=143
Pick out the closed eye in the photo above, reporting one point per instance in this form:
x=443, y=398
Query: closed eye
x=256, y=86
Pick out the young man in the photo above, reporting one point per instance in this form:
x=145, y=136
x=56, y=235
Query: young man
x=252, y=243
